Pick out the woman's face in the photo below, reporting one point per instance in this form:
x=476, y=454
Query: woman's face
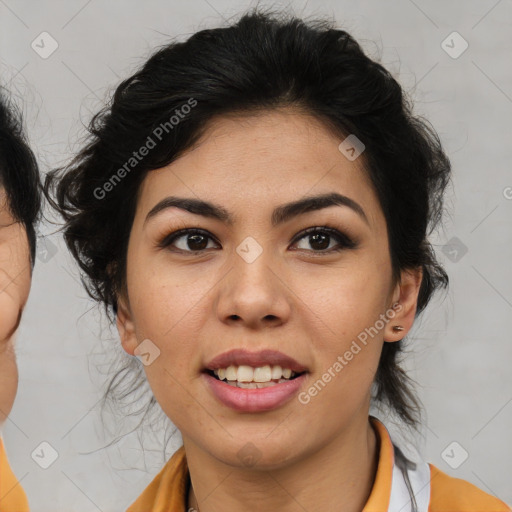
x=258, y=283
x=15, y=272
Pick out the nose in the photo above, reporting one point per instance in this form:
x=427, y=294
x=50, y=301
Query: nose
x=254, y=294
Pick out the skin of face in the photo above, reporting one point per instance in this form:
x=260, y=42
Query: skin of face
x=294, y=298
x=15, y=276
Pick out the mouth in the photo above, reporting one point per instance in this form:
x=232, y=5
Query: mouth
x=247, y=377
x=254, y=381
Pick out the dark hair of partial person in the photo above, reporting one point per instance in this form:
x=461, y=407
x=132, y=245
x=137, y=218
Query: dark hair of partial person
x=19, y=172
x=262, y=61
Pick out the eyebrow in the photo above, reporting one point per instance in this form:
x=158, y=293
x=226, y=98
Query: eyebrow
x=280, y=215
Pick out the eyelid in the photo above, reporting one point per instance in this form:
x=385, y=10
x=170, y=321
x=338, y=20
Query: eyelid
x=344, y=241
x=170, y=237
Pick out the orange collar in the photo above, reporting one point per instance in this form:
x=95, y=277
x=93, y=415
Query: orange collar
x=381, y=490
x=168, y=490
x=12, y=495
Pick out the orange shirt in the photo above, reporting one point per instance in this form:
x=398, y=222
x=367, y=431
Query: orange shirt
x=12, y=496
x=168, y=490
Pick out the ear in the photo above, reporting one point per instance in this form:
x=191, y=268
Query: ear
x=126, y=326
x=406, y=295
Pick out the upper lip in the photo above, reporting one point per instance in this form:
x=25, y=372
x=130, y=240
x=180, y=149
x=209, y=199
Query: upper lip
x=238, y=357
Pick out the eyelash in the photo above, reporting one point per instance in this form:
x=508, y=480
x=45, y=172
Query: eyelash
x=344, y=242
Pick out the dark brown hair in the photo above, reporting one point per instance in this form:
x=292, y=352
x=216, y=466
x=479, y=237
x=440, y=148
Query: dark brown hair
x=19, y=172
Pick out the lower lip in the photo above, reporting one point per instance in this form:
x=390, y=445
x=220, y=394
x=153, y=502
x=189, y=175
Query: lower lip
x=254, y=400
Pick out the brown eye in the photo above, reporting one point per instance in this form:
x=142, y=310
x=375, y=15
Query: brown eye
x=320, y=238
x=187, y=240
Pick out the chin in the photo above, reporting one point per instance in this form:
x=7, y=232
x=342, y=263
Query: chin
x=255, y=454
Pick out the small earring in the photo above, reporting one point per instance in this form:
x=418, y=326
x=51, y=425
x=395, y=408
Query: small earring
x=398, y=328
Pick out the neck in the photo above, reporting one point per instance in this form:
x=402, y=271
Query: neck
x=339, y=475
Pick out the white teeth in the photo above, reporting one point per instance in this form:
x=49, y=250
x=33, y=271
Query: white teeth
x=247, y=385
x=231, y=373
x=261, y=385
x=287, y=373
x=254, y=385
x=244, y=373
x=277, y=371
x=248, y=375
x=262, y=374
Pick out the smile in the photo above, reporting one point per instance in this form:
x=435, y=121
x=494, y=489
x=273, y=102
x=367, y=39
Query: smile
x=246, y=377
x=254, y=381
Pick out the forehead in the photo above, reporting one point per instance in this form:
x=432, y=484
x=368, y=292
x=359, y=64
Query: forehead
x=270, y=157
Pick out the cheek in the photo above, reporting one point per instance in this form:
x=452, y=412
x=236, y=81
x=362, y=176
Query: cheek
x=343, y=316
x=15, y=258
x=345, y=301
x=168, y=309
x=8, y=381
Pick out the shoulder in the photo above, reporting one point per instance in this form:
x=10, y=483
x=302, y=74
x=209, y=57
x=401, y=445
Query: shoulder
x=168, y=490
x=12, y=495
x=449, y=494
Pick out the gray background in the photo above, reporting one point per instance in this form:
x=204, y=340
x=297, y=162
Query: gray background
x=462, y=346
